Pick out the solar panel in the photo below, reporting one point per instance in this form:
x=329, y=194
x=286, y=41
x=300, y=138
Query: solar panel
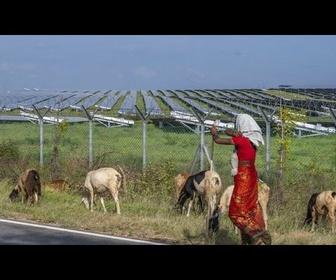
x=128, y=105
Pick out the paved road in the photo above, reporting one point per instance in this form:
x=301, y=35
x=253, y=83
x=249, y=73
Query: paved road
x=23, y=233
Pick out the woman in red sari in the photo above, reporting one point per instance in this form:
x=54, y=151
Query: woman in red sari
x=244, y=209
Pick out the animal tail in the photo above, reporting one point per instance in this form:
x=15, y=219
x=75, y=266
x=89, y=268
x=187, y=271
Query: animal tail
x=123, y=179
x=310, y=206
x=36, y=176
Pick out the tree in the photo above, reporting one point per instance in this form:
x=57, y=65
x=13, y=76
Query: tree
x=60, y=129
x=285, y=130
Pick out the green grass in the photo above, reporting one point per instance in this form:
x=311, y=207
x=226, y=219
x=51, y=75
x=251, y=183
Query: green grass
x=147, y=207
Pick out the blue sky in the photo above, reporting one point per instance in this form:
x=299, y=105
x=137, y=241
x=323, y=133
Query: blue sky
x=144, y=62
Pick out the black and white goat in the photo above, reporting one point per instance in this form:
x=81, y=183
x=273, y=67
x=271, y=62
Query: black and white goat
x=207, y=184
x=179, y=182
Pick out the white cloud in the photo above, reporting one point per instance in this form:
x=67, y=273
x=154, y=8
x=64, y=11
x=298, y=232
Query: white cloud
x=144, y=72
x=13, y=67
x=128, y=47
x=194, y=75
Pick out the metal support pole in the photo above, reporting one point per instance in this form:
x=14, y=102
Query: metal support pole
x=90, y=117
x=268, y=138
x=41, y=131
x=202, y=147
x=144, y=136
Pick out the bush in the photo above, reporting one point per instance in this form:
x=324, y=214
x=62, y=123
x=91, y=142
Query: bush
x=9, y=150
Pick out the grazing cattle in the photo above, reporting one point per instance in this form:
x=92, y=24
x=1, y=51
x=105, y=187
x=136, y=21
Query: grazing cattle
x=263, y=197
x=206, y=183
x=103, y=180
x=321, y=204
x=29, y=185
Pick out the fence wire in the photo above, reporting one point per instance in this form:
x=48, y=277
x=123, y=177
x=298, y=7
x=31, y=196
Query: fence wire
x=149, y=141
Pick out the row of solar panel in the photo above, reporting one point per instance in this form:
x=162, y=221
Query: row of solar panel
x=201, y=100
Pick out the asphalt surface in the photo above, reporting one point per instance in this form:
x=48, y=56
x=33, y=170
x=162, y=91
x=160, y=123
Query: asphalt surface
x=23, y=233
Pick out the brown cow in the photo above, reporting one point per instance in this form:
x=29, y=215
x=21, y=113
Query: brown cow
x=29, y=185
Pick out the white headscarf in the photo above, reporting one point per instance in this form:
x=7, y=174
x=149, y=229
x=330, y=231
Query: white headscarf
x=250, y=129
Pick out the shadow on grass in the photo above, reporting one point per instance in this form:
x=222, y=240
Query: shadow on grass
x=221, y=237
x=226, y=237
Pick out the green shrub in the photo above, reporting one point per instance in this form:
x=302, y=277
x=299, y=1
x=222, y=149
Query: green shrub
x=9, y=150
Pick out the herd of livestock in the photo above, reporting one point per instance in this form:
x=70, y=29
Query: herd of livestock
x=205, y=186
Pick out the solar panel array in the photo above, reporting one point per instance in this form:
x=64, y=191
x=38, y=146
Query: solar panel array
x=128, y=105
x=151, y=106
x=224, y=101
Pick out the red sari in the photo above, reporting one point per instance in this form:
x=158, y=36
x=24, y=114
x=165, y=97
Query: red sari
x=244, y=210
